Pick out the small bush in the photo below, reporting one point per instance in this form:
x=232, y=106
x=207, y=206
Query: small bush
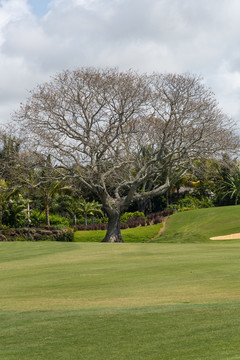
x=80, y=227
x=166, y=212
x=46, y=238
x=102, y=220
x=135, y=222
x=20, y=238
x=38, y=218
x=5, y=227
x=206, y=203
x=58, y=227
x=132, y=220
x=141, y=221
x=65, y=236
x=131, y=215
x=58, y=220
x=81, y=220
x=191, y=202
x=157, y=220
x=90, y=227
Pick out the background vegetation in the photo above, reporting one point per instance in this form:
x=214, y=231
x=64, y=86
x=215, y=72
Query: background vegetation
x=33, y=196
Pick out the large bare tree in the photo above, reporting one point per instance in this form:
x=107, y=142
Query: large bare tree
x=125, y=135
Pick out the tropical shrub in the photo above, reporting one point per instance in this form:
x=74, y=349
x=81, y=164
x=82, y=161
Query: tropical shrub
x=191, y=202
x=58, y=220
x=101, y=220
x=131, y=215
x=14, y=212
x=156, y=218
x=123, y=226
x=132, y=221
x=65, y=236
x=90, y=227
x=135, y=222
x=97, y=220
x=38, y=218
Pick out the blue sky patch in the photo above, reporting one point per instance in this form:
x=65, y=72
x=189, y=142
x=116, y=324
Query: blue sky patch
x=39, y=7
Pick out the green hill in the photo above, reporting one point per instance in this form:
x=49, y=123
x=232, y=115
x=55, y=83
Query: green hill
x=200, y=225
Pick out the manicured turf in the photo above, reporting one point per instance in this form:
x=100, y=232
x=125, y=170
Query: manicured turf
x=200, y=225
x=140, y=234
x=119, y=301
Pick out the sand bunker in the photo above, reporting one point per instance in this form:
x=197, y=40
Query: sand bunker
x=226, y=237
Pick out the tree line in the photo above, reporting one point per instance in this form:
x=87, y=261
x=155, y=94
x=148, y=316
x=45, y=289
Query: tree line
x=119, y=138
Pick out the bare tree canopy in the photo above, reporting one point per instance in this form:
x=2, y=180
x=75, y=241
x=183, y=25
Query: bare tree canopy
x=123, y=134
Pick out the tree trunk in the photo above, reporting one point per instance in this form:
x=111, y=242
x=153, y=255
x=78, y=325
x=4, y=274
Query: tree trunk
x=85, y=219
x=1, y=214
x=47, y=211
x=167, y=199
x=75, y=219
x=113, y=234
x=28, y=214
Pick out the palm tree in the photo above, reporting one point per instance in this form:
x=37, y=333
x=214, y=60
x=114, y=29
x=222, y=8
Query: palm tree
x=5, y=195
x=48, y=191
x=89, y=209
x=45, y=179
x=231, y=185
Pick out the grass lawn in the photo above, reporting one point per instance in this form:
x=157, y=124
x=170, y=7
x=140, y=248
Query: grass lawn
x=91, y=301
x=200, y=225
x=140, y=234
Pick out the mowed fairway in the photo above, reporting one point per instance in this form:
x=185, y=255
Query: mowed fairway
x=93, y=301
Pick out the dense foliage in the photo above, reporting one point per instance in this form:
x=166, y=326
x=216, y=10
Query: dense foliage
x=23, y=200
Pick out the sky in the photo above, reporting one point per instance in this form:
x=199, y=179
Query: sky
x=41, y=37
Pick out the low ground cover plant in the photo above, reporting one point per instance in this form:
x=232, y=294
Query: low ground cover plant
x=131, y=220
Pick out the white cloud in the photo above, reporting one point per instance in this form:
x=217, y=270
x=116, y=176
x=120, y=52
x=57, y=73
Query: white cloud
x=198, y=36
x=11, y=11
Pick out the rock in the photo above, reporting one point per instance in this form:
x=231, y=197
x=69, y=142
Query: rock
x=44, y=232
x=32, y=234
x=37, y=236
x=9, y=232
x=3, y=238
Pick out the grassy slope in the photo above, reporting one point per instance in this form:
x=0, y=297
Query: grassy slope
x=140, y=234
x=200, y=225
x=116, y=301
